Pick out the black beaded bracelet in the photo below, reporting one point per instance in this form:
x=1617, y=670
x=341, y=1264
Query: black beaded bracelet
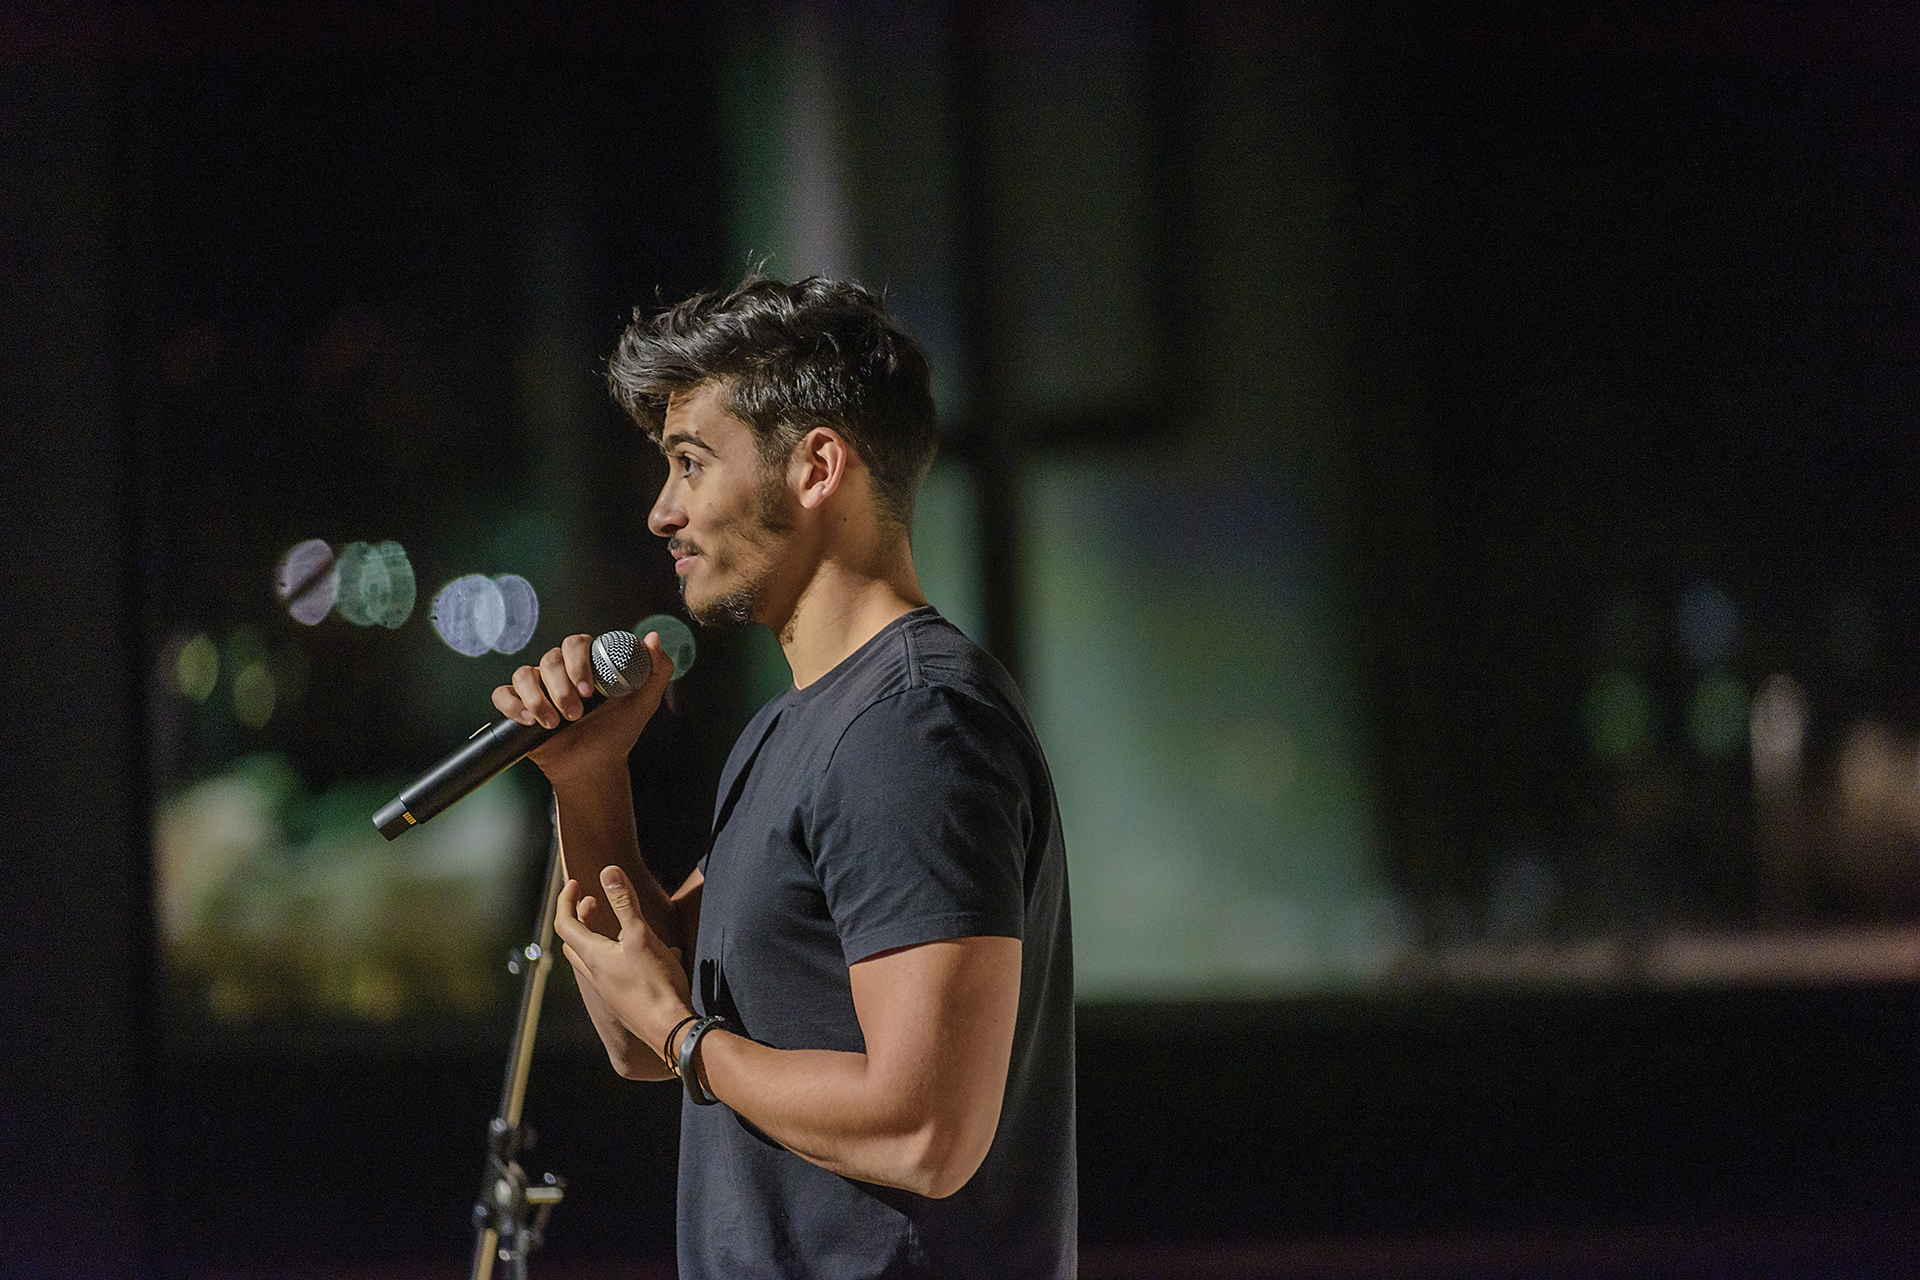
x=689, y=1075
x=666, y=1046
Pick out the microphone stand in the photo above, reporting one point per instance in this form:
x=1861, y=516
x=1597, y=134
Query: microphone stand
x=510, y=1216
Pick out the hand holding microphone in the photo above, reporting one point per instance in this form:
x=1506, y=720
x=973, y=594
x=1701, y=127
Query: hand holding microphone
x=570, y=681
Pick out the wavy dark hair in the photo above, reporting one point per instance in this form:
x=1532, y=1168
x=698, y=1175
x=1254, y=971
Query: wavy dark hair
x=788, y=358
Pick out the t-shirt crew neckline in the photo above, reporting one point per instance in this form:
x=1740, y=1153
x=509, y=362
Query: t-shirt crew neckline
x=795, y=696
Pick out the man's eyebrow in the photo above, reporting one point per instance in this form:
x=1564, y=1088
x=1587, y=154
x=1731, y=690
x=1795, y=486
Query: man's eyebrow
x=674, y=439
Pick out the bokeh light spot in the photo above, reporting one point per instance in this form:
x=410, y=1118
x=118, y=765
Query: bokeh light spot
x=1717, y=719
x=308, y=582
x=1619, y=715
x=522, y=613
x=676, y=637
x=197, y=669
x=254, y=694
x=376, y=584
x=1778, y=729
x=1709, y=623
x=469, y=614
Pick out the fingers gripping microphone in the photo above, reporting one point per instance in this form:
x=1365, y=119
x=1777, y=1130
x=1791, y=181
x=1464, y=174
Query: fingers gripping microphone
x=620, y=665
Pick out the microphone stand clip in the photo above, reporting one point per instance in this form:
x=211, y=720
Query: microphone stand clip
x=510, y=1211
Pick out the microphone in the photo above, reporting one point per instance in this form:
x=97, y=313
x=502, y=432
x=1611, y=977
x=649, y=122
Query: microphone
x=620, y=665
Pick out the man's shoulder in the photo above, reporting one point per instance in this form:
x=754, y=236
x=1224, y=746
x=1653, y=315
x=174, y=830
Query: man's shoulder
x=943, y=658
x=920, y=675
x=942, y=654
x=933, y=664
x=918, y=650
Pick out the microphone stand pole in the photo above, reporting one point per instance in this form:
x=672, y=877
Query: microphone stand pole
x=510, y=1216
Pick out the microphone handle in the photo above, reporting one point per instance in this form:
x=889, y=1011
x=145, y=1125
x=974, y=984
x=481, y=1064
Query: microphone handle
x=488, y=753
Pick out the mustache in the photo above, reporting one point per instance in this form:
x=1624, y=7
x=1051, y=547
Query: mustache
x=681, y=546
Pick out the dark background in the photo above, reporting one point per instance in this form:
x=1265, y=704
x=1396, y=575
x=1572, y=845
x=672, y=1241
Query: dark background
x=1689, y=231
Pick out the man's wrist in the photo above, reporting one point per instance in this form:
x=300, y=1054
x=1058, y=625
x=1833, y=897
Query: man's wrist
x=667, y=1053
x=691, y=1077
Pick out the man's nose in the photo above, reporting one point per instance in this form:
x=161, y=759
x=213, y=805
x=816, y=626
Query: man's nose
x=666, y=518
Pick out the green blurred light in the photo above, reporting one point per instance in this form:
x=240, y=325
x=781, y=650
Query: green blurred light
x=254, y=694
x=197, y=669
x=376, y=584
x=676, y=637
x=1717, y=719
x=1619, y=715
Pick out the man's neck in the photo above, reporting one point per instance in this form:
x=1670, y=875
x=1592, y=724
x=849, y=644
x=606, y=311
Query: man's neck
x=843, y=607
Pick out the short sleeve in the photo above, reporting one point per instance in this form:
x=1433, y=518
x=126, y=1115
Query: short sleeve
x=921, y=825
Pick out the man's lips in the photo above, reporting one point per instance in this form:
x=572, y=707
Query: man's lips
x=682, y=557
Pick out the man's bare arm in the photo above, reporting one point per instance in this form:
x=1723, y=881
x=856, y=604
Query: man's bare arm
x=917, y=1110
x=597, y=832
x=593, y=797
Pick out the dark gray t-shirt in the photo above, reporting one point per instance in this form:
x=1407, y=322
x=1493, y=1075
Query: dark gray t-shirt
x=900, y=799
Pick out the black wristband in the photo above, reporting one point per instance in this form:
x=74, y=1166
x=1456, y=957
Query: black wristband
x=666, y=1046
x=689, y=1076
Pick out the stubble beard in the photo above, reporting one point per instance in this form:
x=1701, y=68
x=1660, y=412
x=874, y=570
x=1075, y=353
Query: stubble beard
x=734, y=609
x=769, y=524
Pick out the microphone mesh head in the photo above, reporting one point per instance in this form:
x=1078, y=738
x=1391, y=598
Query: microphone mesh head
x=620, y=664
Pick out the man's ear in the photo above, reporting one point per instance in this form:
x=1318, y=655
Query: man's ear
x=819, y=465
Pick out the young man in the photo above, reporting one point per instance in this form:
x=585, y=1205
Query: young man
x=875, y=1033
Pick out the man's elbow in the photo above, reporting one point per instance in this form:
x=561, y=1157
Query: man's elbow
x=948, y=1155
x=632, y=1063
x=941, y=1183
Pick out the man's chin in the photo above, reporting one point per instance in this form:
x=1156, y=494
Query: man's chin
x=720, y=613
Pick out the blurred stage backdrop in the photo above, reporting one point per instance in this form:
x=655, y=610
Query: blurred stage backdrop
x=1446, y=485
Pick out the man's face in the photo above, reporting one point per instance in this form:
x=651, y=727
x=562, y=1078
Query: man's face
x=723, y=514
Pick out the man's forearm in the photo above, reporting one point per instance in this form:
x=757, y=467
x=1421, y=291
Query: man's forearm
x=597, y=831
